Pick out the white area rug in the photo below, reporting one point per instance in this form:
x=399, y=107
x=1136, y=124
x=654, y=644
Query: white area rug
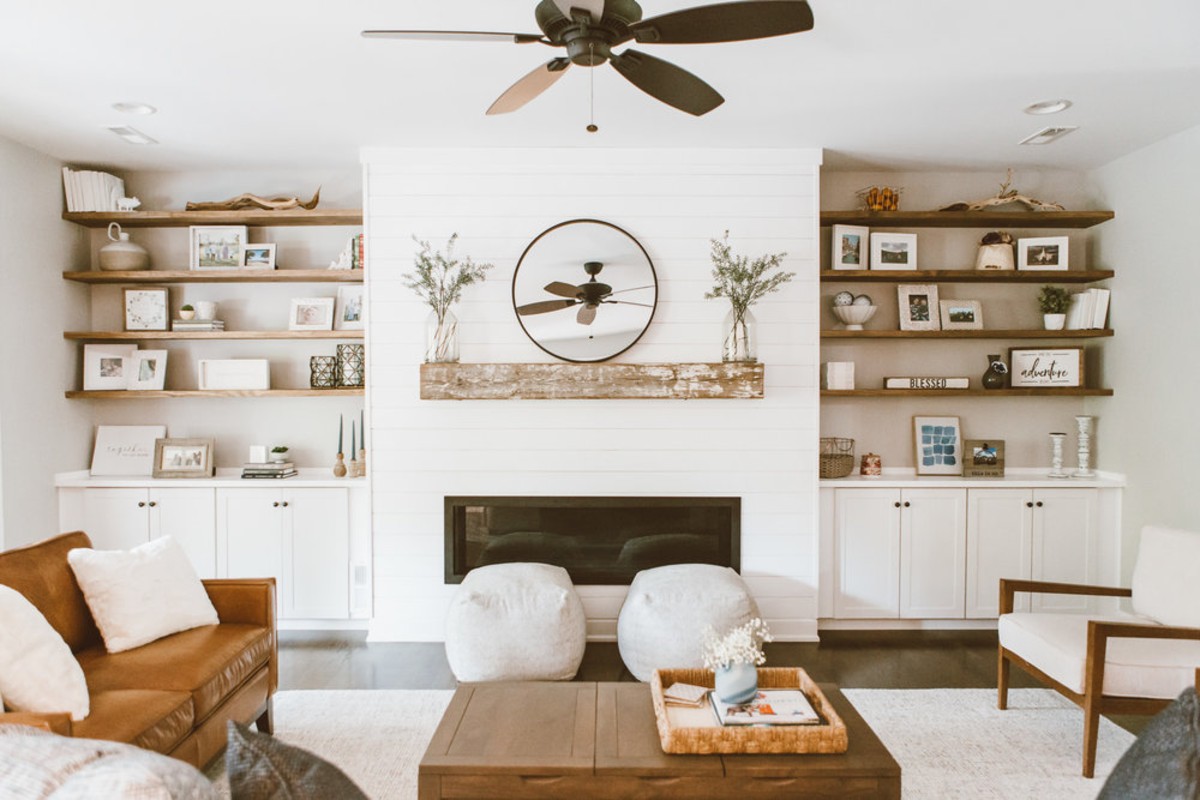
x=951, y=743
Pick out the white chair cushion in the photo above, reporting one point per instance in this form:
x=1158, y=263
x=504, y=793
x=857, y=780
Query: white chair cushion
x=516, y=622
x=1057, y=645
x=661, y=624
x=1166, y=578
x=38, y=671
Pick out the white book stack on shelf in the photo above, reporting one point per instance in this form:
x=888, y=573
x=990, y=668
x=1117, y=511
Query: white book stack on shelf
x=1088, y=310
x=839, y=375
x=89, y=190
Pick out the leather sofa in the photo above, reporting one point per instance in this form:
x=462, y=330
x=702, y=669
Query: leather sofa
x=173, y=695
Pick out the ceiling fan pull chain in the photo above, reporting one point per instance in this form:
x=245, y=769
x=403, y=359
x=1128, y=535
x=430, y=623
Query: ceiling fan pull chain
x=591, y=128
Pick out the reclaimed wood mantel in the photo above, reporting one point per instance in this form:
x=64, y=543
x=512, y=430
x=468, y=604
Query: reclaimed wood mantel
x=726, y=381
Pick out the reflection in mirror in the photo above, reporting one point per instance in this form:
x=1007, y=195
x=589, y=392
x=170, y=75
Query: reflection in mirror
x=585, y=290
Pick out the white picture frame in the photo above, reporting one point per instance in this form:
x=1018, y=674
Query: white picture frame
x=894, y=251
x=919, y=307
x=147, y=371
x=937, y=445
x=349, y=308
x=311, y=314
x=147, y=308
x=258, y=256
x=1048, y=367
x=850, y=247
x=217, y=374
x=217, y=246
x=106, y=366
x=125, y=449
x=1043, y=253
x=961, y=315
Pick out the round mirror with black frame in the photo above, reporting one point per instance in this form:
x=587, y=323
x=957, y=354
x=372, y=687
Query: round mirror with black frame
x=585, y=290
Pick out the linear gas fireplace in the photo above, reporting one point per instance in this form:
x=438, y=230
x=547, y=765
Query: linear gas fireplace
x=598, y=540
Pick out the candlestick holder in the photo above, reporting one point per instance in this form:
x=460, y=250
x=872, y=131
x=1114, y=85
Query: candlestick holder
x=1056, y=456
x=339, y=467
x=362, y=463
x=1084, y=453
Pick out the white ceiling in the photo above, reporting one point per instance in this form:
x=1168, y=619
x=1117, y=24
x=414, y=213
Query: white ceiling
x=877, y=83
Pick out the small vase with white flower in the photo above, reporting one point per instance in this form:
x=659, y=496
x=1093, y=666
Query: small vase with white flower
x=734, y=659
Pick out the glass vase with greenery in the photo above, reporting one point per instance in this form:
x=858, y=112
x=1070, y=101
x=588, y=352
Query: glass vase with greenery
x=744, y=281
x=439, y=280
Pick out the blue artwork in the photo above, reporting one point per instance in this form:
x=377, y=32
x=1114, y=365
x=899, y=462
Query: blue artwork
x=939, y=446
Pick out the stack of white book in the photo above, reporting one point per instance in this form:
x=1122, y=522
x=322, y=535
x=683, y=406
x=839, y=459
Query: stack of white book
x=89, y=190
x=839, y=375
x=197, y=325
x=1088, y=310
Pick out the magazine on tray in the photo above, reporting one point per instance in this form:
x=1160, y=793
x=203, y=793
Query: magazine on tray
x=769, y=707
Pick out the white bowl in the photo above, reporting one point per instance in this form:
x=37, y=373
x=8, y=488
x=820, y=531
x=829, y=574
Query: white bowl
x=854, y=316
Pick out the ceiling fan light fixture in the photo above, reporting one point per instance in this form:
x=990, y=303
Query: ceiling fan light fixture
x=1049, y=134
x=1048, y=107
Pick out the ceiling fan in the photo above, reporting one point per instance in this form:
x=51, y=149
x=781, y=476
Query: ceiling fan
x=590, y=29
x=588, y=295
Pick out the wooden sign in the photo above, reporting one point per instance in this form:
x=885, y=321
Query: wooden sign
x=983, y=458
x=1062, y=366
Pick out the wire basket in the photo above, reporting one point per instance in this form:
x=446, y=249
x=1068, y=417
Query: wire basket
x=837, y=457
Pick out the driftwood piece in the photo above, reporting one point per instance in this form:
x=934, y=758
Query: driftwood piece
x=244, y=201
x=733, y=380
x=1004, y=197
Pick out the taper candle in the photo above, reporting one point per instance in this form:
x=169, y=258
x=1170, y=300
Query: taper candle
x=362, y=427
x=341, y=426
x=353, y=446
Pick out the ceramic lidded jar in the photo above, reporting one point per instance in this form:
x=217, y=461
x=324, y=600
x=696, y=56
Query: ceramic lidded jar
x=122, y=255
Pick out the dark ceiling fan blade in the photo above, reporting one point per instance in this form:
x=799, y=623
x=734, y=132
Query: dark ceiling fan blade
x=562, y=289
x=664, y=81
x=456, y=36
x=586, y=315
x=529, y=87
x=544, y=307
x=634, y=289
x=593, y=7
x=726, y=22
x=627, y=303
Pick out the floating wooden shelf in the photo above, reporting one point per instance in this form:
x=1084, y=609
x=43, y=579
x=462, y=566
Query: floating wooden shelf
x=984, y=334
x=727, y=381
x=139, y=336
x=186, y=393
x=155, y=276
x=182, y=219
x=1030, y=392
x=964, y=276
x=967, y=219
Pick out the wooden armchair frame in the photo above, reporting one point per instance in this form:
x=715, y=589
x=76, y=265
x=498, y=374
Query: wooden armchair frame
x=1093, y=701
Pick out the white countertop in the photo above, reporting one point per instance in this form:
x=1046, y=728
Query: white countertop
x=225, y=478
x=1013, y=479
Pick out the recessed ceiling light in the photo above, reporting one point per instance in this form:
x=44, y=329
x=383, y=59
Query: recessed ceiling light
x=1048, y=107
x=1048, y=135
x=142, y=109
x=131, y=135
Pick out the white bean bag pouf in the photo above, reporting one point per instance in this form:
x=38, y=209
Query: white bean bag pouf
x=516, y=622
x=663, y=619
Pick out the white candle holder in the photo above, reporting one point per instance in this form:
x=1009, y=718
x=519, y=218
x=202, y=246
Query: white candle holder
x=1084, y=453
x=1056, y=456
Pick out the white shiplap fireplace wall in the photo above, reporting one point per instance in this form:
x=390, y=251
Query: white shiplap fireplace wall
x=673, y=201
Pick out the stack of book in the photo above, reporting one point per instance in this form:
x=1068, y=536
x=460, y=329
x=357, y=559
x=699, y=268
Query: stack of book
x=1088, y=310
x=269, y=469
x=88, y=190
x=839, y=375
x=197, y=325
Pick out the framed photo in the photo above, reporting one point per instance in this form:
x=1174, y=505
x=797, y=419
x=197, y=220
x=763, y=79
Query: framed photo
x=311, y=314
x=125, y=449
x=183, y=458
x=147, y=309
x=349, y=316
x=983, y=458
x=234, y=373
x=938, y=445
x=217, y=246
x=849, y=248
x=148, y=370
x=1043, y=252
x=918, y=307
x=106, y=366
x=961, y=315
x=893, y=251
x=258, y=256
x=1059, y=366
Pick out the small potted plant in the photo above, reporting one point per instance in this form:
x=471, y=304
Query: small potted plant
x=1054, y=301
x=439, y=281
x=187, y=311
x=279, y=454
x=744, y=282
x=734, y=658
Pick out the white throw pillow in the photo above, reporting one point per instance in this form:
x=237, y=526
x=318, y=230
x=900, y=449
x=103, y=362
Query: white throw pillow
x=141, y=595
x=38, y=671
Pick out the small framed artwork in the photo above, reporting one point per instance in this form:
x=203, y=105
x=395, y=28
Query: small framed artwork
x=125, y=449
x=349, y=308
x=961, y=315
x=183, y=458
x=258, y=256
x=893, y=251
x=106, y=366
x=938, y=444
x=1043, y=252
x=311, y=314
x=918, y=307
x=849, y=248
x=217, y=246
x=983, y=458
x=147, y=309
x=1060, y=366
x=148, y=370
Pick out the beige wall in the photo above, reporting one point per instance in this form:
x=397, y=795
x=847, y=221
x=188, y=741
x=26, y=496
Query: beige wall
x=1148, y=429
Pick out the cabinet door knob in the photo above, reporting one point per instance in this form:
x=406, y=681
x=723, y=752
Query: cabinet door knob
x=1039, y=503
x=1029, y=504
x=153, y=503
x=907, y=504
x=897, y=504
x=141, y=504
x=275, y=504
x=285, y=504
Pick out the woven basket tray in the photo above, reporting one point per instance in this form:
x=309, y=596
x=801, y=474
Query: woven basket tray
x=689, y=730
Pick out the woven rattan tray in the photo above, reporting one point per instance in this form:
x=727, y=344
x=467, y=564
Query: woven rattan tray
x=696, y=730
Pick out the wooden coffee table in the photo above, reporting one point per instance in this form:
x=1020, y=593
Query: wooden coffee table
x=598, y=740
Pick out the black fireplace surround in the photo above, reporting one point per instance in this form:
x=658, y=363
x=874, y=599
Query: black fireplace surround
x=598, y=540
